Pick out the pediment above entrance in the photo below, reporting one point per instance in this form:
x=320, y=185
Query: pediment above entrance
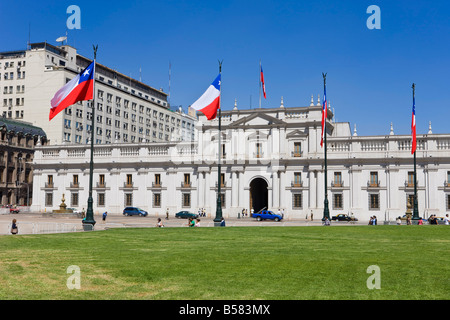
x=298, y=133
x=257, y=119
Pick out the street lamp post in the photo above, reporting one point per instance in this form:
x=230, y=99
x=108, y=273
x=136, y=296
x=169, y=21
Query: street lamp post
x=218, y=217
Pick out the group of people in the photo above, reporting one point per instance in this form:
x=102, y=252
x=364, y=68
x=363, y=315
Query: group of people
x=202, y=212
x=194, y=222
x=373, y=221
x=244, y=213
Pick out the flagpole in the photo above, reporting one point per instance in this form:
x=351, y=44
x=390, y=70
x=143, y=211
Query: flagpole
x=415, y=206
x=89, y=222
x=326, y=211
x=218, y=217
x=260, y=83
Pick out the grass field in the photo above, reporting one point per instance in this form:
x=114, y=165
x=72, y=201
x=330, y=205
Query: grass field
x=270, y=263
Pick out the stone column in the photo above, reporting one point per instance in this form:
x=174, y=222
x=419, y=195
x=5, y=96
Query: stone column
x=275, y=190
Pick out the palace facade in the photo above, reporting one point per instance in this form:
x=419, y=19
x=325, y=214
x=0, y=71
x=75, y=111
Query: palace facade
x=270, y=158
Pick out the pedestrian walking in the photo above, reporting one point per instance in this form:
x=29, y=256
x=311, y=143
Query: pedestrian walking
x=222, y=222
x=14, y=228
x=446, y=221
x=167, y=214
x=104, y=215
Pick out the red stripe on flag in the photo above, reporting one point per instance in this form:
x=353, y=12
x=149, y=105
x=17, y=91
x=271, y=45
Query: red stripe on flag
x=81, y=92
x=210, y=111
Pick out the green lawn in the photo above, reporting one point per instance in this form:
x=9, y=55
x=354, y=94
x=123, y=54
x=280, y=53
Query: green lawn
x=240, y=263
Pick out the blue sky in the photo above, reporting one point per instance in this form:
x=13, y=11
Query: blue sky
x=369, y=72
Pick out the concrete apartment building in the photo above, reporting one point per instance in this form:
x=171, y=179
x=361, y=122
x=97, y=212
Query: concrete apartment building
x=126, y=110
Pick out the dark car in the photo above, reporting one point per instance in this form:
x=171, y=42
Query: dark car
x=186, y=215
x=133, y=211
x=343, y=217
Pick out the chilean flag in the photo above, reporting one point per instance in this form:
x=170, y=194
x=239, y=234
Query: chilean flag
x=209, y=102
x=78, y=89
x=413, y=128
x=324, y=115
x=262, y=83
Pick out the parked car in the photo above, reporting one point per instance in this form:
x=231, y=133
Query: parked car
x=266, y=215
x=12, y=209
x=134, y=211
x=343, y=217
x=76, y=211
x=185, y=215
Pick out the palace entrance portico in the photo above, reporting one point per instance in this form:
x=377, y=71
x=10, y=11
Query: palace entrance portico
x=259, y=195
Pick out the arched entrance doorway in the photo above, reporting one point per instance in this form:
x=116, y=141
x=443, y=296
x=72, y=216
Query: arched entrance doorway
x=259, y=198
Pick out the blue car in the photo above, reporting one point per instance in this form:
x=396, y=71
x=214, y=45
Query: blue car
x=267, y=215
x=133, y=211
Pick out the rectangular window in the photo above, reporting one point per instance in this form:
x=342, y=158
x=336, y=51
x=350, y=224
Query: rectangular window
x=187, y=180
x=74, y=199
x=157, y=200
x=374, y=179
x=374, y=201
x=49, y=199
x=128, y=199
x=259, y=152
x=337, y=201
x=337, y=179
x=49, y=181
x=297, y=201
x=101, y=199
x=297, y=149
x=448, y=201
x=157, y=180
x=411, y=179
x=129, y=180
x=297, y=179
x=101, y=180
x=75, y=180
x=186, y=200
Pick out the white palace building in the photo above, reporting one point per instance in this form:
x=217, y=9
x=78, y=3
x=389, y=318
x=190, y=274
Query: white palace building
x=271, y=158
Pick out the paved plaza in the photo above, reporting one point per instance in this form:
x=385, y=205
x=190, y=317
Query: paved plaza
x=37, y=223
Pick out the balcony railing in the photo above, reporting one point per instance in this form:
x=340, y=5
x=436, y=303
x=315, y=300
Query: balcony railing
x=74, y=185
x=185, y=184
x=296, y=184
x=373, y=184
x=101, y=185
x=128, y=184
x=297, y=154
x=337, y=184
x=410, y=184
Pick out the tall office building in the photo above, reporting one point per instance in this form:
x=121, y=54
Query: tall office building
x=126, y=110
